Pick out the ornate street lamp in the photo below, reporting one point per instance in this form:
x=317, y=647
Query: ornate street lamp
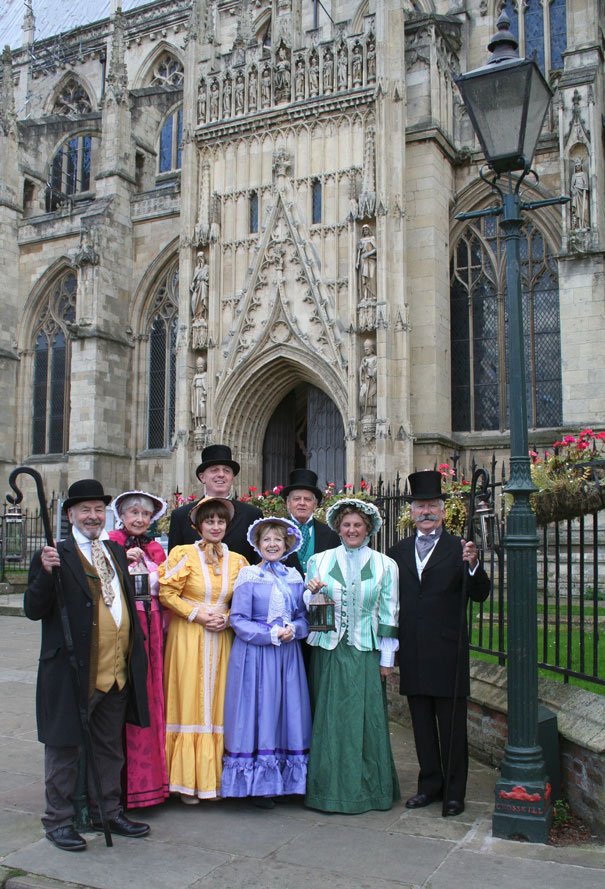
x=507, y=101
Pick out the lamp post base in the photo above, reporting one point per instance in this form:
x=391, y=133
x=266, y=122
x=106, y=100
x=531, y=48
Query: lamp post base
x=522, y=811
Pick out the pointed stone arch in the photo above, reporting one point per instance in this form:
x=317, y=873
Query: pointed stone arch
x=37, y=295
x=146, y=286
x=144, y=75
x=252, y=394
x=75, y=93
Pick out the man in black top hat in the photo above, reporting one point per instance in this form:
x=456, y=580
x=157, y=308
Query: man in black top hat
x=302, y=498
x=216, y=473
x=433, y=642
x=110, y=656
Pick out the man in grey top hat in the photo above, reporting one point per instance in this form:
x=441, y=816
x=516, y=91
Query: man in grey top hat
x=302, y=498
x=433, y=642
x=216, y=473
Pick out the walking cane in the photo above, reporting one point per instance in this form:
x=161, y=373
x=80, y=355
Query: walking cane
x=67, y=635
x=477, y=474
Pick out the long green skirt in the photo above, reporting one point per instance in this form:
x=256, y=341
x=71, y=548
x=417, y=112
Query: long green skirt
x=351, y=766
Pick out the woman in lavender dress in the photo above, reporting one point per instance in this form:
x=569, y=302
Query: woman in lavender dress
x=267, y=711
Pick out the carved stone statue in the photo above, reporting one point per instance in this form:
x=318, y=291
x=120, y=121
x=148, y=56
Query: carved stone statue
x=199, y=303
x=201, y=102
x=579, y=197
x=282, y=76
x=252, y=91
x=328, y=72
x=368, y=372
x=214, y=100
x=227, y=91
x=299, y=79
x=342, y=69
x=239, y=94
x=357, y=64
x=371, y=61
x=199, y=392
x=366, y=265
x=265, y=88
x=313, y=75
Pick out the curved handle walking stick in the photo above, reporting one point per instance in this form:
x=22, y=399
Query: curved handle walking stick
x=67, y=634
x=480, y=474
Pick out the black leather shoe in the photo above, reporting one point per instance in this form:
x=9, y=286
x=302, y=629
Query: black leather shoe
x=454, y=807
x=124, y=827
x=420, y=800
x=66, y=838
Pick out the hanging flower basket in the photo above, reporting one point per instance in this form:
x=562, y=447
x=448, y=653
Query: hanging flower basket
x=563, y=504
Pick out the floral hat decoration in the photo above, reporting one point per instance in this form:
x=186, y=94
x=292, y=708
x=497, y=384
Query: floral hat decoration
x=160, y=506
x=293, y=534
x=364, y=506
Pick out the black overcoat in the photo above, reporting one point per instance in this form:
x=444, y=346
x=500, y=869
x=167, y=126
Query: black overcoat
x=325, y=538
x=429, y=617
x=181, y=532
x=57, y=712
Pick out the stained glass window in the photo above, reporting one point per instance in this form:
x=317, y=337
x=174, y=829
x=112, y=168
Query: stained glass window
x=540, y=26
x=253, y=213
x=162, y=330
x=51, y=369
x=479, y=330
x=316, y=201
x=70, y=171
x=171, y=139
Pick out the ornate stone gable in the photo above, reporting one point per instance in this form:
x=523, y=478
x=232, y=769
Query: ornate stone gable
x=284, y=301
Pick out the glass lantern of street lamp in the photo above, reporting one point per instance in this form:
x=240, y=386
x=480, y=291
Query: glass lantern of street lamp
x=14, y=536
x=507, y=101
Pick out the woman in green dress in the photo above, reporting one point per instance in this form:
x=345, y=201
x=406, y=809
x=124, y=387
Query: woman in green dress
x=351, y=766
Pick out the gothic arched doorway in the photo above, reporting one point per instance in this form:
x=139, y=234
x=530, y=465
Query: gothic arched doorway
x=306, y=430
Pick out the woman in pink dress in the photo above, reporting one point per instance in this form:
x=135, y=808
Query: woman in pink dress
x=145, y=776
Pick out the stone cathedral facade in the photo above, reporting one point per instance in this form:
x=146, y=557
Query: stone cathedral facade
x=235, y=221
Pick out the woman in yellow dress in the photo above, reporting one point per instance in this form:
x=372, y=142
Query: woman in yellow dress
x=196, y=585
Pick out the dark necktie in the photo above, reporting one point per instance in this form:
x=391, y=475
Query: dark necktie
x=424, y=544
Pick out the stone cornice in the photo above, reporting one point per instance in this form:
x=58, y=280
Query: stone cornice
x=9, y=354
x=432, y=133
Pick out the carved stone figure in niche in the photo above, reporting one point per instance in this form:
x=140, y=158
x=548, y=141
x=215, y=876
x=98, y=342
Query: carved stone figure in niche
x=299, y=79
x=313, y=75
x=366, y=264
x=579, y=197
x=368, y=372
x=342, y=69
x=227, y=91
x=239, y=94
x=201, y=102
x=265, y=88
x=282, y=76
x=328, y=72
x=371, y=61
x=214, y=100
x=357, y=65
x=199, y=302
x=199, y=392
x=252, y=90
x=87, y=253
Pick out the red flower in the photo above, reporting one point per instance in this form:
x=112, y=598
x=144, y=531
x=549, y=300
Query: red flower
x=582, y=445
x=253, y=489
x=348, y=487
x=278, y=489
x=600, y=435
x=569, y=439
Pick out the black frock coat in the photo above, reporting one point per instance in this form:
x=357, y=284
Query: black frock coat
x=57, y=712
x=429, y=617
x=324, y=537
x=181, y=532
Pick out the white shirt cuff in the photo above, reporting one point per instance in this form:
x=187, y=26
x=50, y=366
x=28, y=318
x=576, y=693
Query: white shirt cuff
x=471, y=571
x=191, y=617
x=273, y=634
x=387, y=647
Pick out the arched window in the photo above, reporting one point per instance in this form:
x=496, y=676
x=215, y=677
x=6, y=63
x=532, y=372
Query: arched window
x=162, y=331
x=253, y=213
x=316, y=201
x=541, y=28
x=72, y=100
x=70, y=170
x=171, y=138
x=479, y=330
x=51, y=369
x=167, y=71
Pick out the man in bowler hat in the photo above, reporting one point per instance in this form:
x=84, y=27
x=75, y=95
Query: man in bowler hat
x=433, y=642
x=111, y=660
x=302, y=498
x=216, y=473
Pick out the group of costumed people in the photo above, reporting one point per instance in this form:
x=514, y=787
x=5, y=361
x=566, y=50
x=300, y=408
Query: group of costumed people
x=232, y=710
